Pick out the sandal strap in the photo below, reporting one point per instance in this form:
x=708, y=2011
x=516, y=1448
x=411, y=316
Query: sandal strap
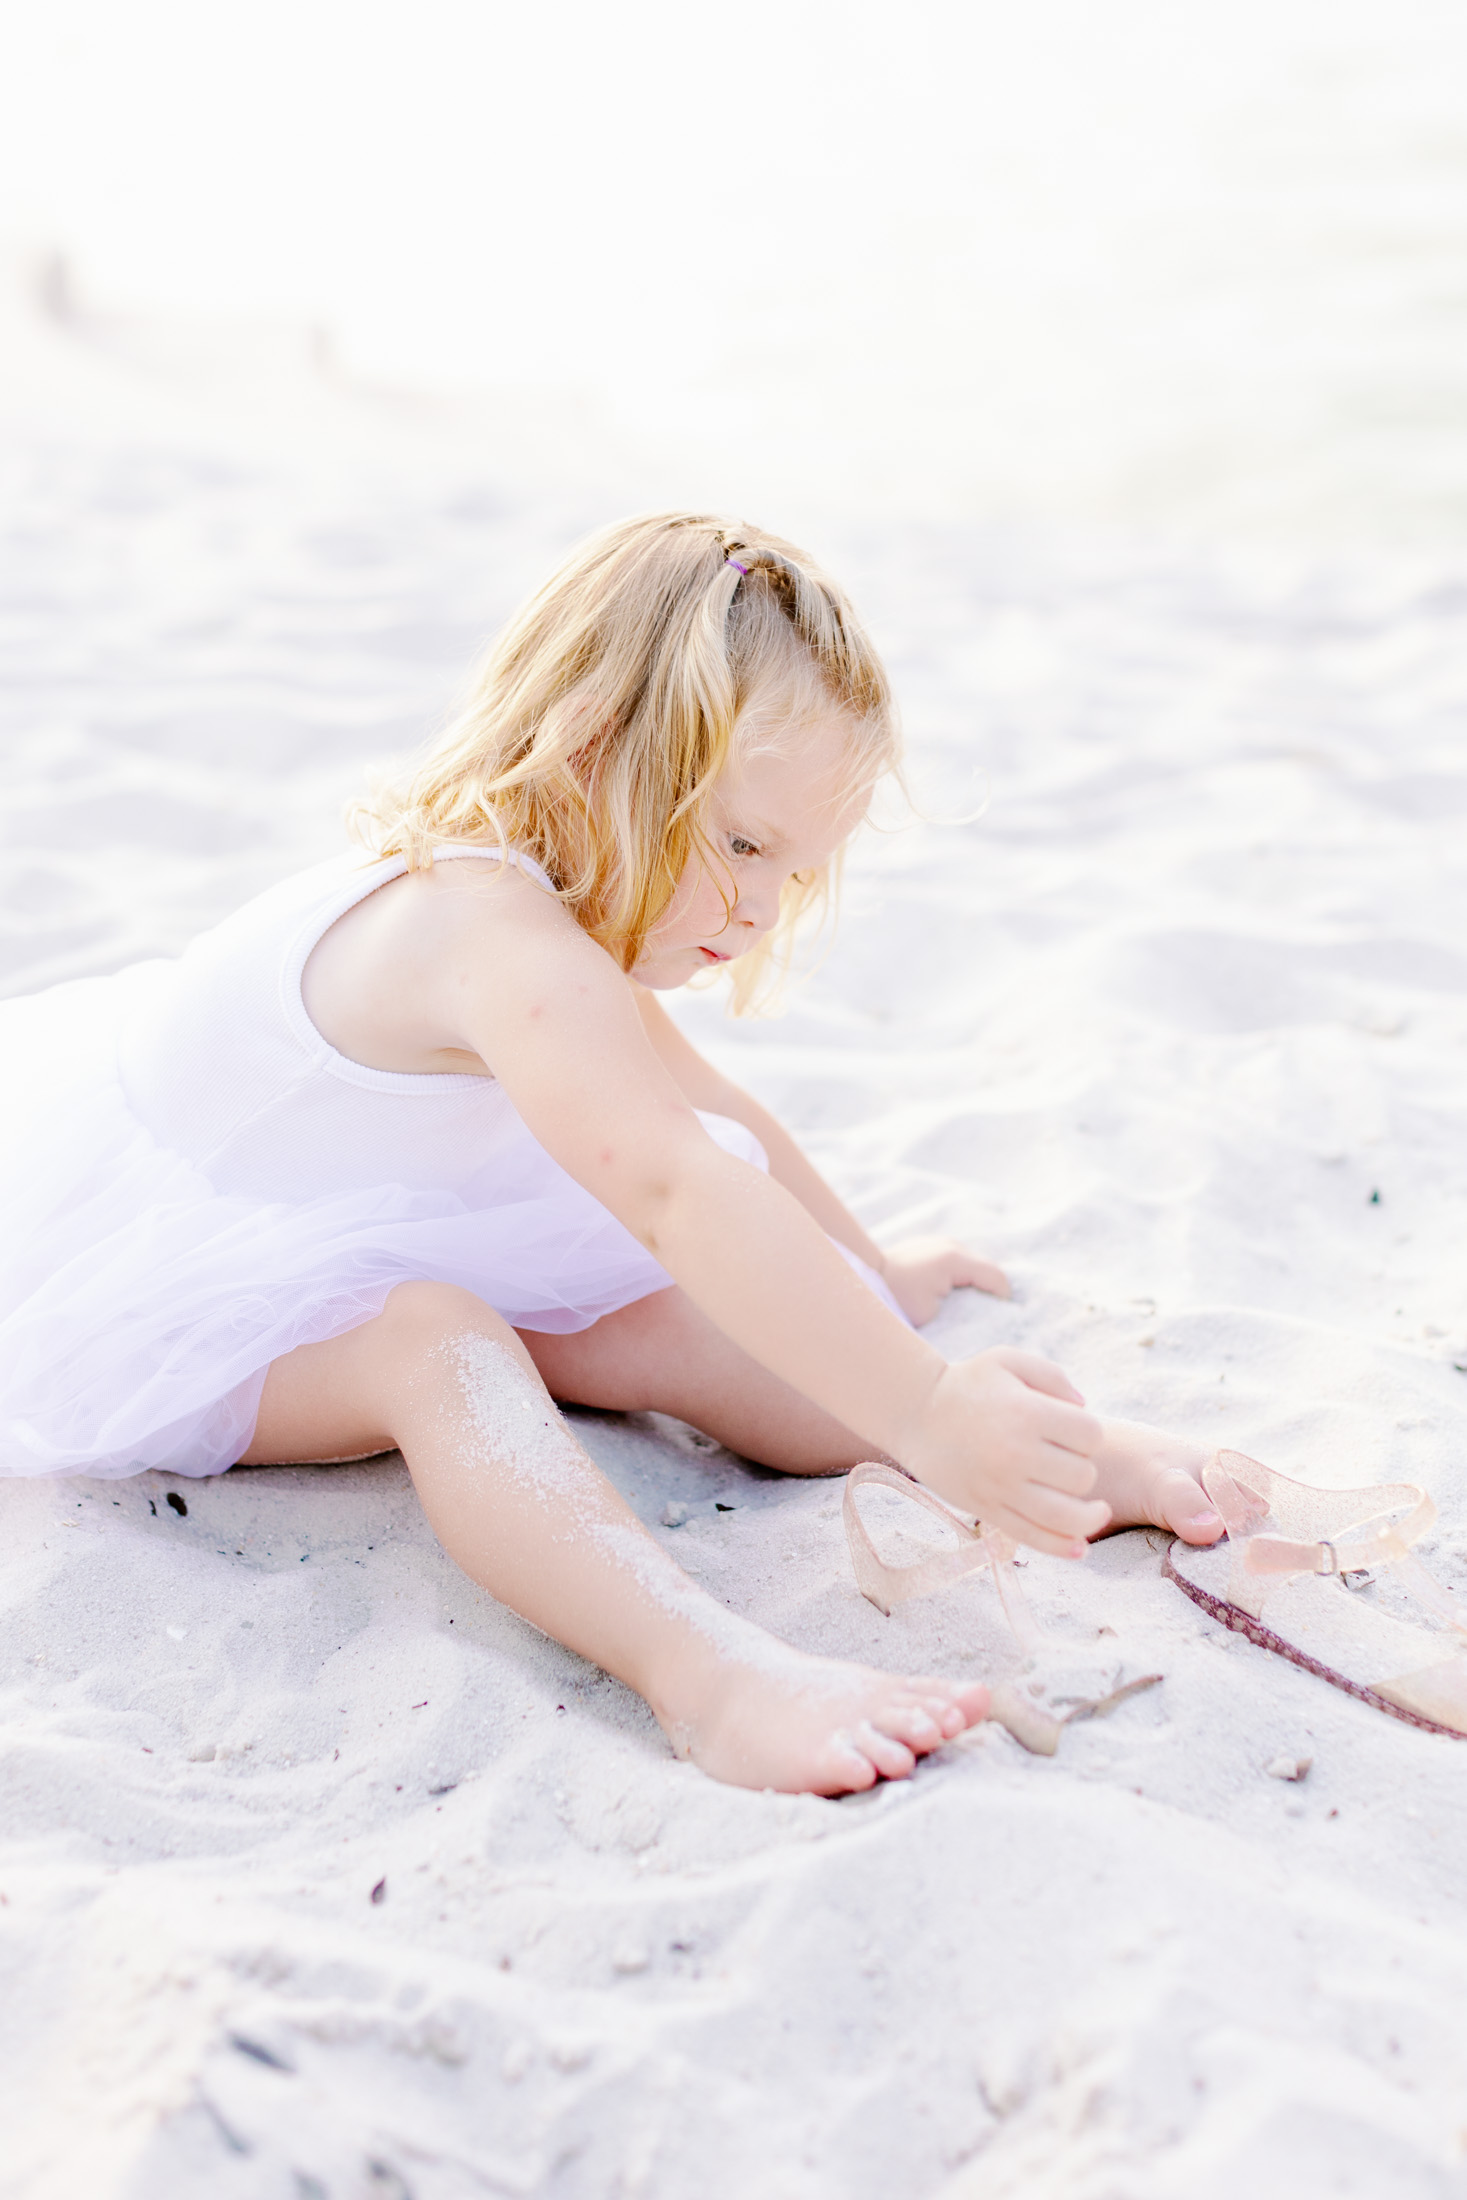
x=1246, y=1494
x=1374, y=1533
x=1275, y=1554
x=887, y=1586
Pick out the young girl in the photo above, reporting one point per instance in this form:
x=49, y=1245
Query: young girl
x=408, y=1148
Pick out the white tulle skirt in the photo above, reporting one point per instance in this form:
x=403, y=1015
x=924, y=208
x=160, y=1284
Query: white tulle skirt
x=140, y=1308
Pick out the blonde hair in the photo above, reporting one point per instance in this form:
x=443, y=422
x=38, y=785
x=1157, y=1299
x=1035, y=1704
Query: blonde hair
x=599, y=723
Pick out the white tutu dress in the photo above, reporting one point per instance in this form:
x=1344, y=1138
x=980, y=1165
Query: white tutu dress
x=192, y=1183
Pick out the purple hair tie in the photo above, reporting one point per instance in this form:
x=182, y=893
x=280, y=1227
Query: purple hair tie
x=737, y=567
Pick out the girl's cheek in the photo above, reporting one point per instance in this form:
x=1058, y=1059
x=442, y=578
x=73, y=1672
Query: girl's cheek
x=699, y=909
x=703, y=913
x=674, y=917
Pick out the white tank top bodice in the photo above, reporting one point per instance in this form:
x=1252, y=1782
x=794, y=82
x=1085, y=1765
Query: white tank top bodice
x=219, y=1059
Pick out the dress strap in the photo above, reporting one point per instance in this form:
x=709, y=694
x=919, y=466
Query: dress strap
x=526, y=863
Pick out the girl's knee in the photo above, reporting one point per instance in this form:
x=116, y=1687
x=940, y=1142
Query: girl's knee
x=424, y=1314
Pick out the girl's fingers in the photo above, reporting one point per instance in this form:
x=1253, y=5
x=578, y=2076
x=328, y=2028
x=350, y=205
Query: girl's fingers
x=1068, y=1428
x=1034, y=1537
x=1062, y=1465
x=1039, y=1374
x=982, y=1275
x=1074, y=1518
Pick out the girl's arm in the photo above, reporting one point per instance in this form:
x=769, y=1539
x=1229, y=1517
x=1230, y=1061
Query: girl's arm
x=920, y=1274
x=705, y=1088
x=508, y=976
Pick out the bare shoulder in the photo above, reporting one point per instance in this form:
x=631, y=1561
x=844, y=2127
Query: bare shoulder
x=398, y=982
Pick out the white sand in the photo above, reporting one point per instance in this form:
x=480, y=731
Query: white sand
x=1153, y=1033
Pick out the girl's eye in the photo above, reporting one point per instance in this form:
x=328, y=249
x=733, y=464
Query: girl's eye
x=742, y=847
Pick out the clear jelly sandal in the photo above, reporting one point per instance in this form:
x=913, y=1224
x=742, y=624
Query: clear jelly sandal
x=964, y=1551
x=1345, y=1590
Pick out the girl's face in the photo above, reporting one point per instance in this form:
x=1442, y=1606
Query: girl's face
x=771, y=816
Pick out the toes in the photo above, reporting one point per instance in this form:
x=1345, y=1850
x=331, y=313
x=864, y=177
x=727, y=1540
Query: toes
x=918, y=1725
x=923, y=1722
x=951, y=1707
x=846, y=1769
x=1182, y=1506
x=971, y=1704
x=892, y=1758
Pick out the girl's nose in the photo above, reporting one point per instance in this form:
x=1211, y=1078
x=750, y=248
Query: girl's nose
x=758, y=908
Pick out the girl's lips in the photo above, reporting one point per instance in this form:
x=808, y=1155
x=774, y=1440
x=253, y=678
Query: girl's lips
x=714, y=956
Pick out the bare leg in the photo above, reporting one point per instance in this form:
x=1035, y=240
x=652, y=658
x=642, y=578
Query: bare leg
x=660, y=1354
x=516, y=1502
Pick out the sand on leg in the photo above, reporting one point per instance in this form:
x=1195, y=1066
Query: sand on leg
x=662, y=1355
x=516, y=1502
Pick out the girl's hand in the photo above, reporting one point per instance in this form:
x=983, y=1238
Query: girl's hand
x=1006, y=1436
x=920, y=1272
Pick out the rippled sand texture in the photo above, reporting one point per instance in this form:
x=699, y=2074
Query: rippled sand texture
x=323, y=1876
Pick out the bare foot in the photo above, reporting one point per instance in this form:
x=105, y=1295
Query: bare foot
x=1150, y=1479
x=813, y=1726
